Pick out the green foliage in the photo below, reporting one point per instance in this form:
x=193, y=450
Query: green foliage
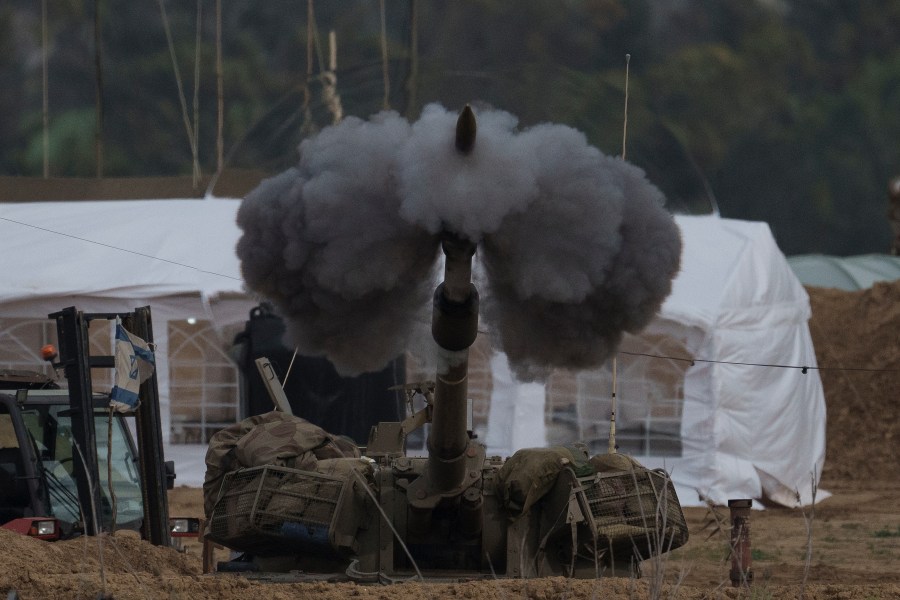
x=71, y=144
x=762, y=555
x=783, y=112
x=761, y=593
x=886, y=532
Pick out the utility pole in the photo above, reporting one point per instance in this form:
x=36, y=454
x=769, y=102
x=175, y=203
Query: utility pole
x=98, y=66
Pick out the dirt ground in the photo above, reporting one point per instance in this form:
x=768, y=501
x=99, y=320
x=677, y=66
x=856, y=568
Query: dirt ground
x=845, y=547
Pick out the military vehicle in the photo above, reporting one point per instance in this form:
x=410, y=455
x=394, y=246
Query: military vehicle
x=296, y=500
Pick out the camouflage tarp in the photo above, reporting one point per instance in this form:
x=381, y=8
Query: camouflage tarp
x=608, y=463
x=530, y=473
x=273, y=438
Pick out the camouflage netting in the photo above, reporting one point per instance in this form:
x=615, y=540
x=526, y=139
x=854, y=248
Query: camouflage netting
x=631, y=509
x=273, y=438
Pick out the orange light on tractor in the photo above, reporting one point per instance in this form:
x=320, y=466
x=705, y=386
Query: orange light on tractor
x=48, y=352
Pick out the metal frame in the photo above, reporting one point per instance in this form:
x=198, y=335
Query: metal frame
x=75, y=358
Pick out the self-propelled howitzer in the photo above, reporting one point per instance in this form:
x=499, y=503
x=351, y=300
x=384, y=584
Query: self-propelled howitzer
x=375, y=514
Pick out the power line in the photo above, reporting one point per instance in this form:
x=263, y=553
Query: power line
x=110, y=246
x=802, y=368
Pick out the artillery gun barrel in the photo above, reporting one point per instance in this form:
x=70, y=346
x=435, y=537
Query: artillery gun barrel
x=454, y=327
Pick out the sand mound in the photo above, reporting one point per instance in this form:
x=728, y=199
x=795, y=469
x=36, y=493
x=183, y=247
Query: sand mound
x=857, y=341
x=28, y=558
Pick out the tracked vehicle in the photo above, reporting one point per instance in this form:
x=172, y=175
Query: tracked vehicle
x=293, y=499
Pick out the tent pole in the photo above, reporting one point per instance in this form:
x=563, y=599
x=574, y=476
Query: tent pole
x=45, y=138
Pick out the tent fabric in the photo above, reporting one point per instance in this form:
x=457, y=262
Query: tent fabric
x=849, y=273
x=747, y=431
x=58, y=249
x=177, y=256
x=514, y=405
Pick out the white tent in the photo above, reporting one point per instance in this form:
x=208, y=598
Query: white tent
x=848, y=273
x=738, y=430
x=714, y=389
x=748, y=431
x=177, y=256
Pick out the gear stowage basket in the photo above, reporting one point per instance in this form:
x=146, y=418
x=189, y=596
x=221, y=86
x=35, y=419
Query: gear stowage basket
x=269, y=509
x=634, y=512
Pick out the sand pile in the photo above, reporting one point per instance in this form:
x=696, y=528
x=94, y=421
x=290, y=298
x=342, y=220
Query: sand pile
x=857, y=341
x=74, y=568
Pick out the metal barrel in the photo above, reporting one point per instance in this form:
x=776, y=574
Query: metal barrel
x=454, y=327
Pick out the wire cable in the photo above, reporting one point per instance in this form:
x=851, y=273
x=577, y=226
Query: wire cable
x=803, y=368
x=110, y=246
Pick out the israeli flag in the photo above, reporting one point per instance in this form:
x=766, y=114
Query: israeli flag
x=134, y=364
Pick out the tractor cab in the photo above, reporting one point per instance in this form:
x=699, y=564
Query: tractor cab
x=68, y=463
x=38, y=454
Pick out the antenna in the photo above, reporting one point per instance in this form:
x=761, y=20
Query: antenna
x=290, y=366
x=612, y=404
x=613, y=447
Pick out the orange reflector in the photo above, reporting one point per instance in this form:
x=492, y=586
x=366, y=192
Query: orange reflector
x=48, y=352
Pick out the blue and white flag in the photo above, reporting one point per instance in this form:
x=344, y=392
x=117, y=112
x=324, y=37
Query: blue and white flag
x=134, y=364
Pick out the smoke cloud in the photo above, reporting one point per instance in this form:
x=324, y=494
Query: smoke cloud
x=576, y=246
